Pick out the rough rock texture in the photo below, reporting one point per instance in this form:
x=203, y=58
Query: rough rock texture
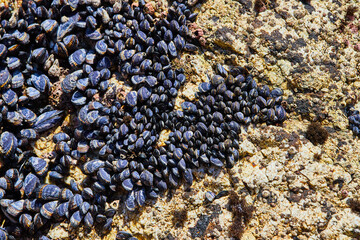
x=298, y=189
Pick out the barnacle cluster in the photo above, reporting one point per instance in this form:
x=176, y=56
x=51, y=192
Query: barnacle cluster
x=113, y=139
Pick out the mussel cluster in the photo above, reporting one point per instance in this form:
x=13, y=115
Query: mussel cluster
x=354, y=120
x=207, y=131
x=114, y=140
